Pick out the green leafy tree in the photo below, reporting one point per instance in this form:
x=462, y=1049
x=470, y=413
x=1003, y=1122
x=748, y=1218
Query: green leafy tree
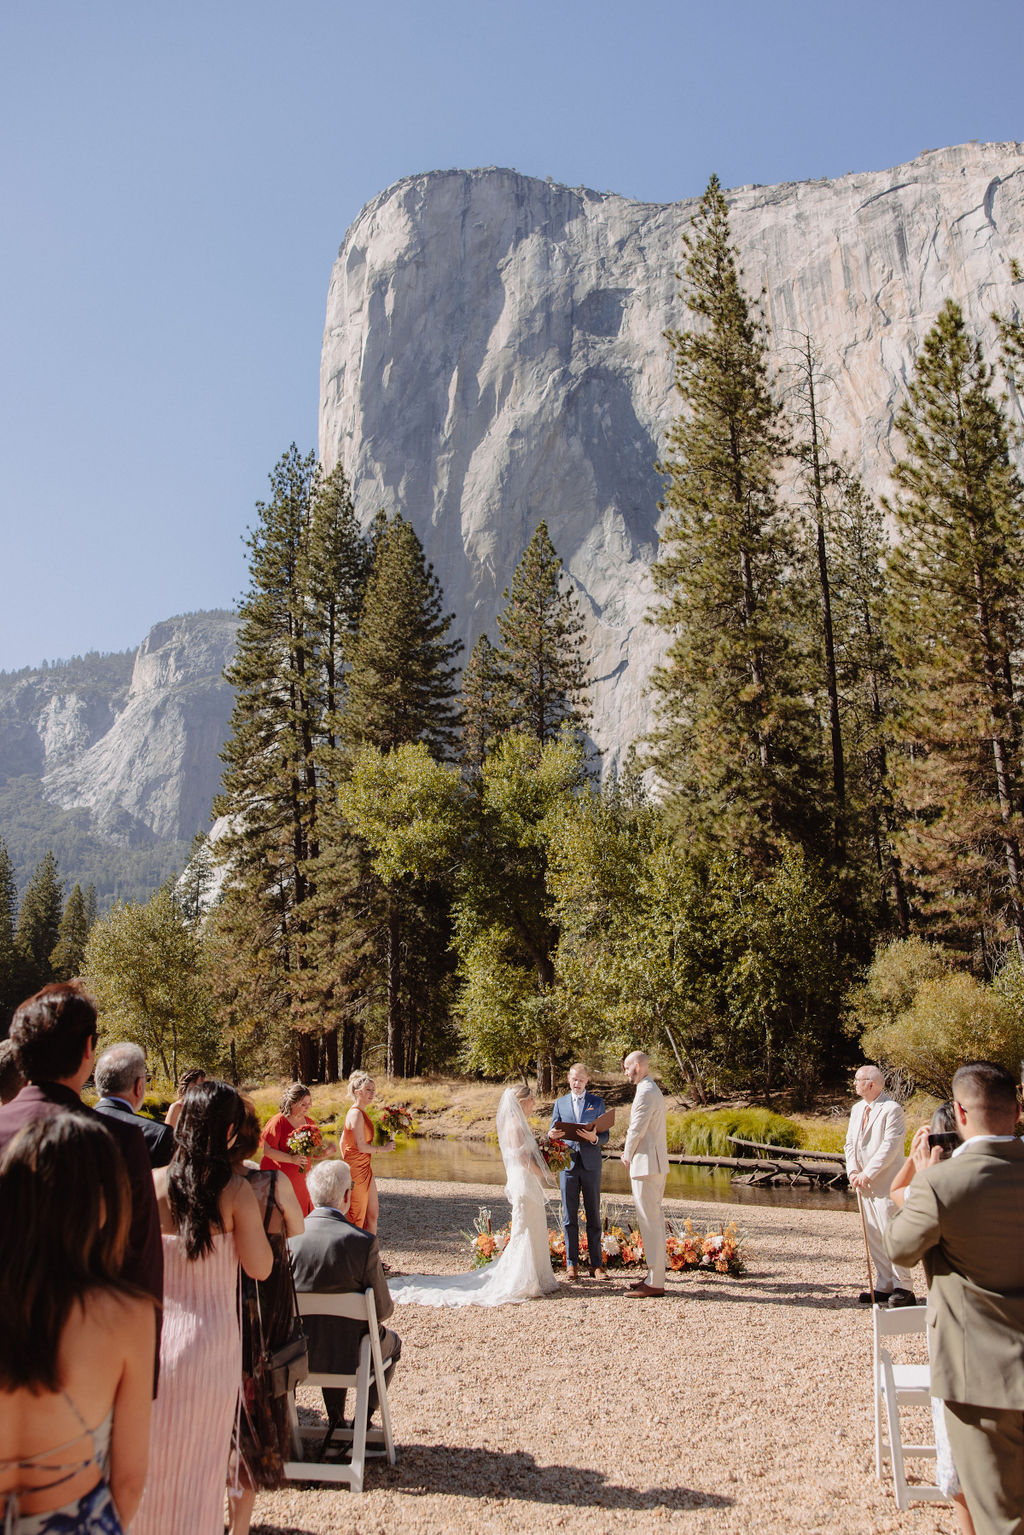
x=409, y=811
x=505, y=935
x=69, y=950
x=738, y=746
x=147, y=970
x=39, y=925
x=542, y=674
x=957, y=576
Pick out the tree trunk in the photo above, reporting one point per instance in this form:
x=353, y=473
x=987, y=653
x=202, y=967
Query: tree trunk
x=331, y=1054
x=394, y=1024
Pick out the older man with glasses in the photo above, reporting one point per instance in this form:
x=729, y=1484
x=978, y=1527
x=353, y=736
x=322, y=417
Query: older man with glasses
x=874, y=1154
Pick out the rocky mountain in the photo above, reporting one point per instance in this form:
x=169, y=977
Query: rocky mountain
x=494, y=355
x=114, y=760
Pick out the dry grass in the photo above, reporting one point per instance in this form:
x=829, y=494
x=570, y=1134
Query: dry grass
x=731, y=1407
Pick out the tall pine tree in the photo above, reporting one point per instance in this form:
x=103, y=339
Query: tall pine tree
x=10, y=968
x=69, y=950
x=306, y=559
x=543, y=675
x=39, y=925
x=738, y=746
x=957, y=578
x=400, y=691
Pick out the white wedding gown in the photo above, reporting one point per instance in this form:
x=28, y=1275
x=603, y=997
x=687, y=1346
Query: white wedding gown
x=523, y=1271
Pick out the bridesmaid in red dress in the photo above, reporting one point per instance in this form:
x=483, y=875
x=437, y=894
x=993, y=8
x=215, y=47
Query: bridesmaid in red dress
x=296, y=1101
x=356, y=1148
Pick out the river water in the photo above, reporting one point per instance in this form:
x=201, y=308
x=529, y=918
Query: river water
x=461, y=1161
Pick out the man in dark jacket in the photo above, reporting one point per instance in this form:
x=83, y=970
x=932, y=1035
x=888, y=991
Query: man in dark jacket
x=334, y=1257
x=54, y=1037
x=120, y=1077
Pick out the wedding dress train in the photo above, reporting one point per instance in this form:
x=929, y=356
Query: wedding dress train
x=523, y=1271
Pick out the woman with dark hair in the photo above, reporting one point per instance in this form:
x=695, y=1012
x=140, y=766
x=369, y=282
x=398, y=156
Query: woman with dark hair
x=190, y=1078
x=76, y=1344
x=210, y=1223
x=269, y=1321
x=296, y=1102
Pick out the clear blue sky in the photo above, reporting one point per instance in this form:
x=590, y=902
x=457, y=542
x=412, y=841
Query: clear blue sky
x=177, y=178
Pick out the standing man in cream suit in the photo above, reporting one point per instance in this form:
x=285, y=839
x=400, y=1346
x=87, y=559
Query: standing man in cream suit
x=874, y=1154
x=646, y=1155
x=965, y=1219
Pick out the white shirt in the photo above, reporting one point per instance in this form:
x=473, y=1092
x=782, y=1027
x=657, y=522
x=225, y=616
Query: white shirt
x=972, y=1138
x=577, y=1104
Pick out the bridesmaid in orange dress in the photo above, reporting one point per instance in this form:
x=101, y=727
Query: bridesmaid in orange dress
x=356, y=1148
x=296, y=1102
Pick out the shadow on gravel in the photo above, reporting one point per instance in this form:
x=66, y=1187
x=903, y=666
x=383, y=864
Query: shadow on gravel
x=466, y=1472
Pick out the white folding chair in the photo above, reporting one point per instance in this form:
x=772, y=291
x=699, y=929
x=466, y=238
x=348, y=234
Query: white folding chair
x=370, y=1371
x=896, y=1386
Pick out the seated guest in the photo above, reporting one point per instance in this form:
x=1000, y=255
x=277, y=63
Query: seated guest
x=190, y=1078
x=120, y=1078
x=963, y=1218
x=76, y=1344
x=334, y=1257
x=11, y=1079
x=54, y=1038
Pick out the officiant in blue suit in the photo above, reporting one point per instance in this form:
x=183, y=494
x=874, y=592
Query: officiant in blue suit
x=583, y=1176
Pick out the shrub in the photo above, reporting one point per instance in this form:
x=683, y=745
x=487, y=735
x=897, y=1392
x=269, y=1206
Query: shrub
x=952, y=1019
x=705, y=1133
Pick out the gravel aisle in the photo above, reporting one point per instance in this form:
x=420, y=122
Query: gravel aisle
x=737, y=1406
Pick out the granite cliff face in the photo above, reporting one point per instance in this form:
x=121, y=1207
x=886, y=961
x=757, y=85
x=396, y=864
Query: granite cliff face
x=150, y=774
x=494, y=355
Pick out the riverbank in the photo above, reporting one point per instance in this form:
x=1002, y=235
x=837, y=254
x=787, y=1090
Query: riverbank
x=459, y=1109
x=733, y=1406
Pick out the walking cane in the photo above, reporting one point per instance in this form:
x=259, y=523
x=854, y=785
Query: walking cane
x=867, y=1250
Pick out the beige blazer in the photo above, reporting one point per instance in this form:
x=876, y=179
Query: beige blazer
x=646, y=1139
x=965, y=1219
x=878, y=1154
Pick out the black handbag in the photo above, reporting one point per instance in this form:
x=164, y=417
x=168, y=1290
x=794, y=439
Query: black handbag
x=286, y=1366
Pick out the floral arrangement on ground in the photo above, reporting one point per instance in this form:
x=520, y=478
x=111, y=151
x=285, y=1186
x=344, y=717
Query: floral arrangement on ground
x=686, y=1249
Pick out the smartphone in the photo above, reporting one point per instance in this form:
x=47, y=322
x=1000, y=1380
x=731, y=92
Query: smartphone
x=946, y=1140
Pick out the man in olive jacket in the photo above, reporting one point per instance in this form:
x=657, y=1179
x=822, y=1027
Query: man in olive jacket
x=965, y=1219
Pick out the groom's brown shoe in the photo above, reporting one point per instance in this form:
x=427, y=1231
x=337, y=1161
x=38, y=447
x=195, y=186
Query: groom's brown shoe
x=571, y=1271
x=599, y=1273
x=642, y=1290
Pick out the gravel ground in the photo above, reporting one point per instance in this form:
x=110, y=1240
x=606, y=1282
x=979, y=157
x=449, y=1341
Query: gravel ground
x=732, y=1405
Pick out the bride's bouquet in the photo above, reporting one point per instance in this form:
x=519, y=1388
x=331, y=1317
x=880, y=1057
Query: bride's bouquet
x=392, y=1120
x=307, y=1142
x=557, y=1154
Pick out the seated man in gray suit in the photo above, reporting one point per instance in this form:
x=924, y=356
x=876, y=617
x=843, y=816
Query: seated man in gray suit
x=334, y=1257
x=965, y=1219
x=120, y=1077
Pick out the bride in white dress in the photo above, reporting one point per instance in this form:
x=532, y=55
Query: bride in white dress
x=523, y=1271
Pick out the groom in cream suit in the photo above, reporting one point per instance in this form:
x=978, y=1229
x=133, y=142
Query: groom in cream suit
x=646, y=1155
x=874, y=1154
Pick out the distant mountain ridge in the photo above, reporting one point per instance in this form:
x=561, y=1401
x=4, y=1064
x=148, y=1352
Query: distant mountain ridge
x=113, y=761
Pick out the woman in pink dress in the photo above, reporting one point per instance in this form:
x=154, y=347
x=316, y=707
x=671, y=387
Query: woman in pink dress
x=210, y=1222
